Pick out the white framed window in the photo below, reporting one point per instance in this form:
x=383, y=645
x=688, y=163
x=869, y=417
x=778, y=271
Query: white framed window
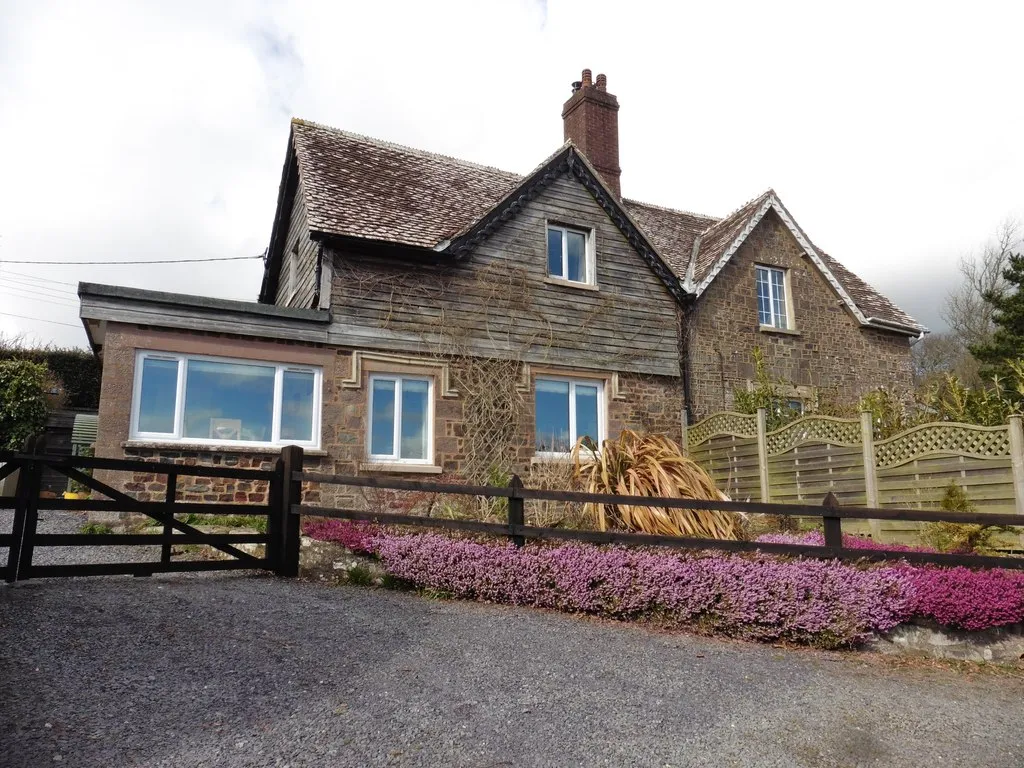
x=225, y=401
x=772, y=304
x=401, y=423
x=566, y=410
x=571, y=254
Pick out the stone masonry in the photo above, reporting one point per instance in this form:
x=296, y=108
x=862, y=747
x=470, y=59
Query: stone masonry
x=827, y=350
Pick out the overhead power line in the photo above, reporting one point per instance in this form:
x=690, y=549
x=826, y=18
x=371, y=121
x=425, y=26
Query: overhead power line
x=26, y=276
x=118, y=263
x=37, y=286
x=42, y=301
x=38, y=297
x=40, y=319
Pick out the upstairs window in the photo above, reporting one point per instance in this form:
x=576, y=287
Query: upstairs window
x=567, y=410
x=772, y=308
x=569, y=255
x=211, y=400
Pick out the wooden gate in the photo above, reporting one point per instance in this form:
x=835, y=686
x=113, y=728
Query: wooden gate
x=25, y=540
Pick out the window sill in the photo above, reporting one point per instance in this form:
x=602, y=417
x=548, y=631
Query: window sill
x=552, y=459
x=570, y=284
x=170, y=445
x=384, y=466
x=773, y=329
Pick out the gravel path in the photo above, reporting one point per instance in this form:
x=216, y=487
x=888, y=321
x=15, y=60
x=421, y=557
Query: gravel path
x=248, y=670
x=54, y=521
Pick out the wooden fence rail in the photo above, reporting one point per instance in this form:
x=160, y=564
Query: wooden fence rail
x=24, y=539
x=830, y=512
x=284, y=508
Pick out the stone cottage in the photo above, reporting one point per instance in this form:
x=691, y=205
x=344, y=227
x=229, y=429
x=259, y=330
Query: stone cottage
x=421, y=314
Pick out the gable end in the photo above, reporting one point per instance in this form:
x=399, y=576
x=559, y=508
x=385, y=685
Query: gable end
x=567, y=160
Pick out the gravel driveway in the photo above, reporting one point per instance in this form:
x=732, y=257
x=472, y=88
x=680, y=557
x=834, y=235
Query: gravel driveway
x=59, y=521
x=249, y=670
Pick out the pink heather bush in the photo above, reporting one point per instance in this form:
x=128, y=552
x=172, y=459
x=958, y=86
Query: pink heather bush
x=960, y=597
x=817, y=539
x=356, y=536
x=825, y=603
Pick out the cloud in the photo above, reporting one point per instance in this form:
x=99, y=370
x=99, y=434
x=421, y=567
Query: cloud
x=144, y=130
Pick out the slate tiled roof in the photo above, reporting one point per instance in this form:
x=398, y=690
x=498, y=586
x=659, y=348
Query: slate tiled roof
x=672, y=232
x=360, y=187
x=356, y=186
x=715, y=241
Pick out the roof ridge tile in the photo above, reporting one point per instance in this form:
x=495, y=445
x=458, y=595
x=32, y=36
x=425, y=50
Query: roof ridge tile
x=668, y=209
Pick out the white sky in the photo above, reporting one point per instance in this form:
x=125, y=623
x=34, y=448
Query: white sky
x=144, y=130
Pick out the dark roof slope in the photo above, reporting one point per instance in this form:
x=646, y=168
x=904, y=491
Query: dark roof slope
x=672, y=232
x=356, y=186
x=360, y=187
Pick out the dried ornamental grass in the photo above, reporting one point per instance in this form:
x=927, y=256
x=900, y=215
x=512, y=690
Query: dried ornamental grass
x=651, y=465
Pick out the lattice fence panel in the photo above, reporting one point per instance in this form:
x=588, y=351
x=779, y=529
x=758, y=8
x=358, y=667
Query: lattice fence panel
x=814, y=429
x=723, y=423
x=952, y=438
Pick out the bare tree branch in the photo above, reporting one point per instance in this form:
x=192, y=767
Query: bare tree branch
x=967, y=312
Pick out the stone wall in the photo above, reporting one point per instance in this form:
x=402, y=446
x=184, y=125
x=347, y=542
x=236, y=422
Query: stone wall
x=634, y=401
x=828, y=351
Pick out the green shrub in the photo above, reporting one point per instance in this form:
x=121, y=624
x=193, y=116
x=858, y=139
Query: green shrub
x=959, y=537
x=767, y=394
x=77, y=371
x=360, y=575
x=259, y=522
x=24, y=403
x=96, y=528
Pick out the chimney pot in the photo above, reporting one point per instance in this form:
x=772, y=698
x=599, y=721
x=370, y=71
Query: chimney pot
x=602, y=83
x=587, y=82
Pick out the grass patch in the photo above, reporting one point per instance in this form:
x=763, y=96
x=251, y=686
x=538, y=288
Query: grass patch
x=393, y=582
x=259, y=522
x=96, y=528
x=361, y=576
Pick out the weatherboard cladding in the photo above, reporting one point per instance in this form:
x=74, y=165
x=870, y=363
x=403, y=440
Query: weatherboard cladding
x=358, y=187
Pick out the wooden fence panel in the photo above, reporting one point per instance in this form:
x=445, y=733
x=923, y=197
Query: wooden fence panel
x=813, y=456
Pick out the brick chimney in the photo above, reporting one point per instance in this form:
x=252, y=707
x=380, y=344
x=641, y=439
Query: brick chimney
x=591, y=121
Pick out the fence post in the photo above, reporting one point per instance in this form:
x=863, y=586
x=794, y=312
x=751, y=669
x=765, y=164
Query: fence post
x=762, y=454
x=18, y=529
x=289, y=538
x=516, y=510
x=833, y=523
x=26, y=515
x=1017, y=462
x=170, y=496
x=867, y=442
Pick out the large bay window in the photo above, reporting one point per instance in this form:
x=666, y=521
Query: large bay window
x=401, y=419
x=566, y=410
x=192, y=399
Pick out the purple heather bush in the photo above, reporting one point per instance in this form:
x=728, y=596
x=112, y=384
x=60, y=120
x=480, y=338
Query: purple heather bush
x=825, y=603
x=358, y=537
x=817, y=539
x=960, y=597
